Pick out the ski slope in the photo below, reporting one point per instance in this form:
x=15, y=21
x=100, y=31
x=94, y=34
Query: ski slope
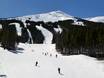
x=46, y=33
x=22, y=64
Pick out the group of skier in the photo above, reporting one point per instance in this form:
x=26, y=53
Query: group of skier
x=58, y=69
x=49, y=54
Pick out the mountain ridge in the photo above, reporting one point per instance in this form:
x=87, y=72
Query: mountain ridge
x=58, y=15
x=96, y=19
x=52, y=16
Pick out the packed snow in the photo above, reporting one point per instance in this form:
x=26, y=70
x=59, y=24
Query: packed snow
x=42, y=61
x=30, y=37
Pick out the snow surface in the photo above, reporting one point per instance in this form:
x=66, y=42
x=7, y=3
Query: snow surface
x=47, y=17
x=0, y=26
x=53, y=16
x=22, y=65
x=96, y=19
x=78, y=23
x=28, y=31
x=30, y=37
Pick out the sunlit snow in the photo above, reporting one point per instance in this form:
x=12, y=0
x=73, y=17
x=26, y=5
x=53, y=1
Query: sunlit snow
x=96, y=19
x=22, y=65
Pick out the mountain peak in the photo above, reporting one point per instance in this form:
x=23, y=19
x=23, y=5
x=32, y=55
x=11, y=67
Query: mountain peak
x=61, y=13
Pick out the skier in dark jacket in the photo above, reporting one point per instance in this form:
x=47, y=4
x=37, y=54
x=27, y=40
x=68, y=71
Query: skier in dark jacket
x=59, y=71
x=36, y=64
x=56, y=55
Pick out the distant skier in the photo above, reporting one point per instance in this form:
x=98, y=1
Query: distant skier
x=50, y=54
x=36, y=64
x=32, y=50
x=45, y=54
x=59, y=71
x=42, y=53
x=56, y=55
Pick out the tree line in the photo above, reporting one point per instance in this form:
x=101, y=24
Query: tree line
x=77, y=39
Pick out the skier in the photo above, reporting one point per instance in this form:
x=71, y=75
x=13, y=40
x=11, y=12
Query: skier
x=45, y=54
x=59, y=71
x=36, y=64
x=56, y=55
x=50, y=54
x=42, y=53
x=32, y=50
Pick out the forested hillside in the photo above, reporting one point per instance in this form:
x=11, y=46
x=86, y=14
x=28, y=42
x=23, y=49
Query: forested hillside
x=77, y=39
x=71, y=35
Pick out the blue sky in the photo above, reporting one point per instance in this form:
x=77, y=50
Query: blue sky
x=80, y=8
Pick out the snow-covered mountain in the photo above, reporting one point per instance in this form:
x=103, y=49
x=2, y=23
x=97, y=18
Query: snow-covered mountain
x=96, y=19
x=47, y=28
x=36, y=56
x=53, y=16
x=40, y=24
